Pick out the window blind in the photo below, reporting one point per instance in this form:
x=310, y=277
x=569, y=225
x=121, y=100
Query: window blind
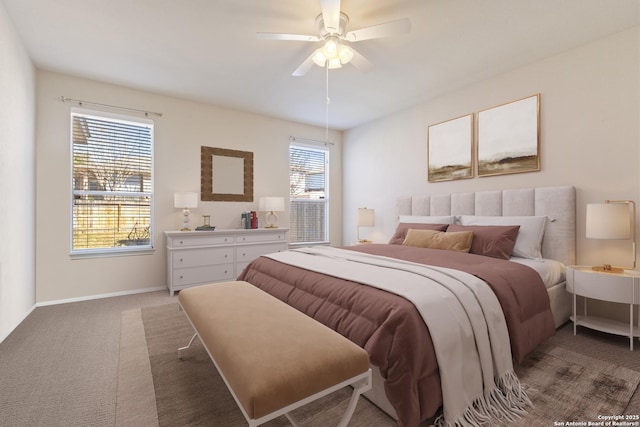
x=308, y=195
x=112, y=172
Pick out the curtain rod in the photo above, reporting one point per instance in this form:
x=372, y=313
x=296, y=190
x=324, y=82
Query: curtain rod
x=81, y=102
x=315, y=141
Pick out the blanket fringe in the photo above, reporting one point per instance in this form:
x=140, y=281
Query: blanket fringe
x=506, y=402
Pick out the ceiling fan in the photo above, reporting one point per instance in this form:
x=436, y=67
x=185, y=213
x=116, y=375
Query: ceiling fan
x=336, y=50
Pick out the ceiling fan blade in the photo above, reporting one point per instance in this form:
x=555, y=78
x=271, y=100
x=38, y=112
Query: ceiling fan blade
x=360, y=62
x=304, y=67
x=331, y=15
x=393, y=28
x=282, y=36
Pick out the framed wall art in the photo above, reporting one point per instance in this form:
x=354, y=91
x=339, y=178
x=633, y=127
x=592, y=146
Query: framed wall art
x=450, y=149
x=509, y=138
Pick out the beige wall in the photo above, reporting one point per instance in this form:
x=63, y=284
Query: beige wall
x=590, y=137
x=179, y=133
x=17, y=179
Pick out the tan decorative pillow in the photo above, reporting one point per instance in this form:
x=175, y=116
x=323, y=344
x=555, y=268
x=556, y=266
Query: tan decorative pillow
x=452, y=241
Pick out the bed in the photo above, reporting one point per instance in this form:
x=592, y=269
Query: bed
x=407, y=382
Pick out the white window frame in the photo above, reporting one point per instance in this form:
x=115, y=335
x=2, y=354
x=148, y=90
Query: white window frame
x=326, y=199
x=115, y=250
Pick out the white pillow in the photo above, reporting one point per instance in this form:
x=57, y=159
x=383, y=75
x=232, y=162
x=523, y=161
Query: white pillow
x=426, y=219
x=529, y=240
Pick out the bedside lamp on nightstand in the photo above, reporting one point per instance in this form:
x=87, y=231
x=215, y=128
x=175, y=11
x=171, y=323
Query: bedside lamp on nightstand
x=366, y=218
x=616, y=220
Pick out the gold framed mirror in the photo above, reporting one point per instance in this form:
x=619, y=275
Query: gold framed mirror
x=226, y=175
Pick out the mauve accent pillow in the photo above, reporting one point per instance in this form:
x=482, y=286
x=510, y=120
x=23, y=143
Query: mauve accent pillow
x=495, y=241
x=403, y=227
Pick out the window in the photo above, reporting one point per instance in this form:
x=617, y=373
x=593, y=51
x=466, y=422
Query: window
x=309, y=218
x=112, y=183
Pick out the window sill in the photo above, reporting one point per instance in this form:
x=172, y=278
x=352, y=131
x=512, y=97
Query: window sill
x=101, y=253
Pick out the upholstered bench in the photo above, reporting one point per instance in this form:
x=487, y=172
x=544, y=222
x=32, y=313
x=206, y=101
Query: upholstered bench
x=272, y=357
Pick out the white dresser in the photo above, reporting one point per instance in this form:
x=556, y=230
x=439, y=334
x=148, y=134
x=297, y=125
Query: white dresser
x=197, y=257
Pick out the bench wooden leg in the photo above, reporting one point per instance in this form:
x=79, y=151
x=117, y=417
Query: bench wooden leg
x=187, y=346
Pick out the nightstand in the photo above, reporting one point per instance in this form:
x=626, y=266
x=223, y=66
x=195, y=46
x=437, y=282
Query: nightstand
x=622, y=288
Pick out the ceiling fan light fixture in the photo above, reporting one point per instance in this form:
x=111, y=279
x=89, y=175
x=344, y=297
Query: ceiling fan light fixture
x=331, y=47
x=345, y=53
x=319, y=58
x=333, y=63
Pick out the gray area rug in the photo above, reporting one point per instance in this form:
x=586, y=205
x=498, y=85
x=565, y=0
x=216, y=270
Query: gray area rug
x=564, y=385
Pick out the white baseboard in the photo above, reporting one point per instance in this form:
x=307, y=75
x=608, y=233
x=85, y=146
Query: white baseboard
x=100, y=296
x=85, y=298
x=11, y=329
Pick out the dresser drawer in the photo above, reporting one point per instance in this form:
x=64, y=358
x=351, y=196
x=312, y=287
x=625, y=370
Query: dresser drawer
x=199, y=257
x=250, y=252
x=205, y=256
x=205, y=274
x=189, y=241
x=260, y=237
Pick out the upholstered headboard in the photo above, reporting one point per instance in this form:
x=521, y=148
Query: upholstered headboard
x=557, y=203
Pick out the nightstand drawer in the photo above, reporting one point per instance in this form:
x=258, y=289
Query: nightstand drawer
x=197, y=257
x=607, y=287
x=205, y=274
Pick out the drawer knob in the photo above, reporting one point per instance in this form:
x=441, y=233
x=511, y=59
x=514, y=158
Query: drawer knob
x=181, y=242
x=180, y=259
x=181, y=277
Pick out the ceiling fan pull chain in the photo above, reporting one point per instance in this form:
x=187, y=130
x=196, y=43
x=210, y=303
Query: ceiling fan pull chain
x=326, y=128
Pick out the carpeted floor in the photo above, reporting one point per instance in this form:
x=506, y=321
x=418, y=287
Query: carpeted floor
x=59, y=367
x=87, y=364
x=565, y=385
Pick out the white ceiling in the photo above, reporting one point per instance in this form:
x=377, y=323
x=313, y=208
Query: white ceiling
x=206, y=50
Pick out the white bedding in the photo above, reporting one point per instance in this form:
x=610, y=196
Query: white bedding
x=551, y=271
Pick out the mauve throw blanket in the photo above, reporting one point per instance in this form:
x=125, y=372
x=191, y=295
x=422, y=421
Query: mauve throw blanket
x=390, y=328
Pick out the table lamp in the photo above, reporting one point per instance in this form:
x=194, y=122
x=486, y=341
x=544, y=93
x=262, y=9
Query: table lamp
x=185, y=201
x=366, y=218
x=615, y=220
x=271, y=205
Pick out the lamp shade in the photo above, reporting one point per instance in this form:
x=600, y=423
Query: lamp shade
x=366, y=217
x=608, y=221
x=271, y=204
x=185, y=200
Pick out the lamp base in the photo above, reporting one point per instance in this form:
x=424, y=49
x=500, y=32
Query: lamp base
x=607, y=268
x=185, y=220
x=272, y=219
